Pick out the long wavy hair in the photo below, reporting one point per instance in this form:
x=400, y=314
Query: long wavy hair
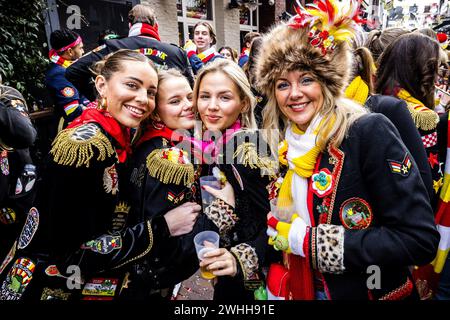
x=411, y=62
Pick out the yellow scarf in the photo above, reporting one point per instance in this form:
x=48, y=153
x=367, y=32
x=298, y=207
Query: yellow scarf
x=424, y=118
x=303, y=164
x=358, y=90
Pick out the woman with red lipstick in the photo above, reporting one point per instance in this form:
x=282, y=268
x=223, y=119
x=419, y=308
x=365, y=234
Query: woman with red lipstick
x=361, y=208
x=79, y=215
x=225, y=103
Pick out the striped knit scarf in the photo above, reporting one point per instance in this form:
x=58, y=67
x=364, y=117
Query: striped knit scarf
x=443, y=214
x=54, y=56
x=207, y=55
x=144, y=29
x=358, y=90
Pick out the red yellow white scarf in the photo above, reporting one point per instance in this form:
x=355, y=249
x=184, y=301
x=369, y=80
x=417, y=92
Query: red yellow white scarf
x=207, y=55
x=144, y=29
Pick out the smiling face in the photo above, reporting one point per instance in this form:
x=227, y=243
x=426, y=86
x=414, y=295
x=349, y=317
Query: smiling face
x=299, y=97
x=218, y=101
x=202, y=38
x=130, y=92
x=174, y=103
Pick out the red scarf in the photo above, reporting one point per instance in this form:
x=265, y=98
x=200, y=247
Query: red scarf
x=144, y=29
x=111, y=126
x=151, y=132
x=245, y=52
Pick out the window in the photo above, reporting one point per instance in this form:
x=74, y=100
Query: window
x=248, y=21
x=189, y=13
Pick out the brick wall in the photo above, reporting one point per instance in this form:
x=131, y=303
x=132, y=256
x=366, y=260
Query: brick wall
x=166, y=13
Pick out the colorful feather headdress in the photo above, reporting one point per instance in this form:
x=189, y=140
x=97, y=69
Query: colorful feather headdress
x=328, y=22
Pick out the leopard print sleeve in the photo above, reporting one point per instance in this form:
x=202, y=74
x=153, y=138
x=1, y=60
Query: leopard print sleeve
x=248, y=260
x=327, y=248
x=222, y=214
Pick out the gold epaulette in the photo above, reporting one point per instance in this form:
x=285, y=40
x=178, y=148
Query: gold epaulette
x=247, y=155
x=170, y=165
x=423, y=117
x=75, y=146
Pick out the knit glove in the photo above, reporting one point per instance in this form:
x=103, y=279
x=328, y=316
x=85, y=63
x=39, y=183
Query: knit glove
x=190, y=48
x=285, y=236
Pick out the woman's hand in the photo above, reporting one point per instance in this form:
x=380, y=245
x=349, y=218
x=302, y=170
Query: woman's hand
x=220, y=262
x=226, y=193
x=181, y=220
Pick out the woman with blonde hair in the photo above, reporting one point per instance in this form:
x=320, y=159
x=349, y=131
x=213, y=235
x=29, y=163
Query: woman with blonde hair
x=225, y=103
x=346, y=170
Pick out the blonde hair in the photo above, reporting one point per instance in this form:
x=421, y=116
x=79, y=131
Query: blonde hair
x=338, y=113
x=164, y=75
x=235, y=74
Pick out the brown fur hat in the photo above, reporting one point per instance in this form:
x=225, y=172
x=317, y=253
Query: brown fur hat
x=287, y=49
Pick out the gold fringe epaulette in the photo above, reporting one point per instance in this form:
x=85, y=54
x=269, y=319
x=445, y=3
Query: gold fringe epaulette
x=168, y=171
x=75, y=146
x=424, y=118
x=247, y=155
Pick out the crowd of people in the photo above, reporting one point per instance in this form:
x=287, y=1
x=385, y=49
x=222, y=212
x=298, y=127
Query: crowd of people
x=346, y=131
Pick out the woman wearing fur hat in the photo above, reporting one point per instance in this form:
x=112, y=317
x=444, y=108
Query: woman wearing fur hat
x=225, y=103
x=350, y=177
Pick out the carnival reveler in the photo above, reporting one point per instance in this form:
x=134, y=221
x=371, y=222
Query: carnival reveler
x=350, y=178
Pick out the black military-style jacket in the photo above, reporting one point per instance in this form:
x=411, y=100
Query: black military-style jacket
x=249, y=171
x=164, y=56
x=370, y=209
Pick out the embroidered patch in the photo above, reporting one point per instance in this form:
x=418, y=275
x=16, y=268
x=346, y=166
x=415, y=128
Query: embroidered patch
x=433, y=159
x=111, y=180
x=29, y=229
x=175, y=198
x=54, y=294
x=7, y=216
x=402, y=168
x=355, y=213
x=52, y=271
x=9, y=257
x=322, y=183
x=17, y=279
x=4, y=164
x=120, y=216
x=105, y=287
x=68, y=92
x=429, y=140
x=104, y=245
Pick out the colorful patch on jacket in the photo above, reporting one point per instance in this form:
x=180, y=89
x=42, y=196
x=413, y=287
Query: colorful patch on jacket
x=7, y=216
x=402, y=168
x=355, y=213
x=68, y=92
x=111, y=180
x=17, y=279
x=175, y=198
x=104, y=245
x=103, y=287
x=29, y=229
x=4, y=164
x=322, y=183
x=52, y=271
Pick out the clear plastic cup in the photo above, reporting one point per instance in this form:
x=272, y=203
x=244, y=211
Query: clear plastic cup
x=208, y=198
x=204, y=242
x=281, y=212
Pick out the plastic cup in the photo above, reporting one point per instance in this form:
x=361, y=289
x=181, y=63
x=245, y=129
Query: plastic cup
x=204, y=242
x=208, y=198
x=282, y=213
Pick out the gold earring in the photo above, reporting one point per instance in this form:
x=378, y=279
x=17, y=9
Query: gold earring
x=103, y=104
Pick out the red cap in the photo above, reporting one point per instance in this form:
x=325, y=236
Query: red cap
x=442, y=37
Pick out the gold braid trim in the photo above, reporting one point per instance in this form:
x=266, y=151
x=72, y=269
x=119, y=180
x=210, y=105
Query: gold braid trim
x=247, y=258
x=248, y=156
x=66, y=150
x=424, y=118
x=167, y=171
x=146, y=251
